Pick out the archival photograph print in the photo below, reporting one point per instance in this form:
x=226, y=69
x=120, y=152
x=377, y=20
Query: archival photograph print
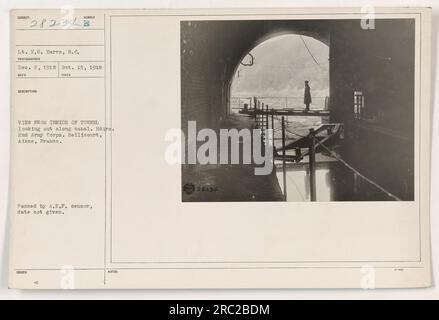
x=297, y=110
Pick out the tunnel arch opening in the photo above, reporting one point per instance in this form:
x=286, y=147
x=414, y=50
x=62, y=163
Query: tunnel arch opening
x=274, y=69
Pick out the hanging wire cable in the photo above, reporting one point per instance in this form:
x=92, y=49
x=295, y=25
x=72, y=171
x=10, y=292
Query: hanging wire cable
x=289, y=131
x=336, y=156
x=293, y=133
x=309, y=51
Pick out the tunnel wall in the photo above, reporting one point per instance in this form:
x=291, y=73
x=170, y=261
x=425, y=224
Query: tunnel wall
x=380, y=63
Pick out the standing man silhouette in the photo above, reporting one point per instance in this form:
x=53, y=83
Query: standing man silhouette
x=307, y=97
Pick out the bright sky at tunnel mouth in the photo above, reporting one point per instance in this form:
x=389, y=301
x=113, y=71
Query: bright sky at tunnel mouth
x=281, y=65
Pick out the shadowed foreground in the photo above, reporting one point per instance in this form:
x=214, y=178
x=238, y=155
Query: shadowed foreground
x=236, y=182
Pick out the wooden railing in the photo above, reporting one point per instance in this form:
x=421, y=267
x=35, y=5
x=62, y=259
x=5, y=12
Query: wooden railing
x=279, y=102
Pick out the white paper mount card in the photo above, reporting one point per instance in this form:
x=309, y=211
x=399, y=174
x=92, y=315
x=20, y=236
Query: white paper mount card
x=256, y=148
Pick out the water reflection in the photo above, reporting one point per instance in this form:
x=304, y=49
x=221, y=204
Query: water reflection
x=298, y=188
x=334, y=182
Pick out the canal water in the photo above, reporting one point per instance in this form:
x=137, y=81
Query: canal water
x=334, y=181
